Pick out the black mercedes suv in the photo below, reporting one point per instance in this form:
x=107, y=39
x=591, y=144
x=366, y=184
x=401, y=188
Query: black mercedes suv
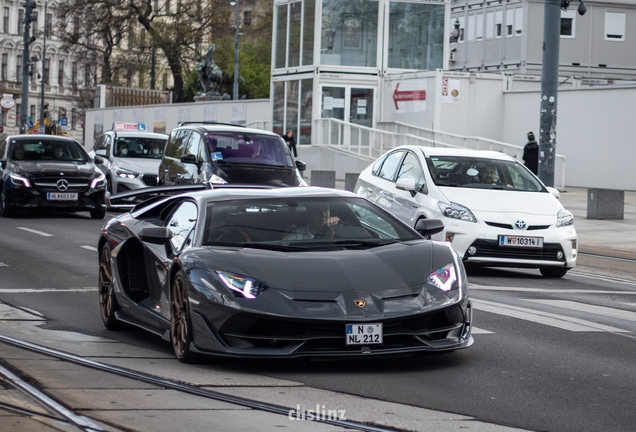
x=47, y=172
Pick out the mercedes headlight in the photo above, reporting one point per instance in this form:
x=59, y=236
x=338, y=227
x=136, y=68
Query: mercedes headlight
x=17, y=180
x=98, y=182
x=242, y=286
x=124, y=173
x=444, y=277
x=457, y=211
x=564, y=218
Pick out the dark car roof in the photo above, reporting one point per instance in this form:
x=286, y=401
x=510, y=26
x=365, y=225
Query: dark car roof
x=139, y=134
x=41, y=138
x=203, y=127
x=222, y=194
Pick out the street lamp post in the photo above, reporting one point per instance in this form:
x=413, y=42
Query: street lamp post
x=236, y=52
x=26, y=63
x=44, y=76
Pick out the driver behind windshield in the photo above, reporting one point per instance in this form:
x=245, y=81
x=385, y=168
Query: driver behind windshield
x=318, y=215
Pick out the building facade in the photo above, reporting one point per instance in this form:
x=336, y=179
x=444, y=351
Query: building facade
x=60, y=73
x=341, y=50
x=501, y=36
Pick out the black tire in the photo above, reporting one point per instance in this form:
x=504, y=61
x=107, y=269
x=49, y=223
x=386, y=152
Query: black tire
x=553, y=272
x=107, y=301
x=180, y=323
x=98, y=213
x=5, y=210
x=109, y=185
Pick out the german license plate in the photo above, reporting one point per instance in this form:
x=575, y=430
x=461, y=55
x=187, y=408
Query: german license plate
x=516, y=241
x=364, y=334
x=56, y=196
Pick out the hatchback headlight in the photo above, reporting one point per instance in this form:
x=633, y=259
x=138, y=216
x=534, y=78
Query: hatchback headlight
x=17, y=180
x=456, y=211
x=242, y=286
x=444, y=277
x=124, y=173
x=564, y=218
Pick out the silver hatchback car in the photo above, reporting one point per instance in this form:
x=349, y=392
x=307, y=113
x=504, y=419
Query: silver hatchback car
x=131, y=159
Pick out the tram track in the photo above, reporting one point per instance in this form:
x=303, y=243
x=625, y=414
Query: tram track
x=85, y=424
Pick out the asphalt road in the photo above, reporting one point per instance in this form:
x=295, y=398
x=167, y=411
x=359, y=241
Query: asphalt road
x=550, y=354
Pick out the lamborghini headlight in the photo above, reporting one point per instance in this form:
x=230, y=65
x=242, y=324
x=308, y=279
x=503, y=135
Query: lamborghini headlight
x=444, y=277
x=242, y=286
x=564, y=218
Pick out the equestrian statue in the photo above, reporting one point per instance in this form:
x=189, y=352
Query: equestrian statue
x=210, y=74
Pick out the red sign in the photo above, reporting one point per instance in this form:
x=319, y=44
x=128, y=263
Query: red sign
x=407, y=96
x=1, y=129
x=444, y=86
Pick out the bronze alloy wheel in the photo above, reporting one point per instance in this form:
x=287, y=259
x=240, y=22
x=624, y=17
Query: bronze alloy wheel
x=107, y=301
x=180, y=325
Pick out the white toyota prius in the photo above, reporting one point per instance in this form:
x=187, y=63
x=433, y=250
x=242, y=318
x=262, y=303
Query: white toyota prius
x=495, y=211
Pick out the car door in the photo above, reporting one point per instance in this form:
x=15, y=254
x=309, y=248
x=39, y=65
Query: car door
x=191, y=172
x=173, y=166
x=383, y=181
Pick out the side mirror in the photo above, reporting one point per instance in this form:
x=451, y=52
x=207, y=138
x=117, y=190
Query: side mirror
x=189, y=159
x=407, y=184
x=155, y=235
x=302, y=166
x=101, y=152
x=98, y=160
x=554, y=192
x=428, y=227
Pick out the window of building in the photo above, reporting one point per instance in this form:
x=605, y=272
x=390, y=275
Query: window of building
x=293, y=102
x=498, y=23
x=5, y=66
x=615, y=26
x=47, y=69
x=479, y=26
x=518, y=21
x=247, y=18
x=416, y=35
x=18, y=69
x=20, y=21
x=490, y=25
x=462, y=28
x=294, y=32
x=3, y=117
x=32, y=113
x=567, y=23
x=470, y=28
x=295, y=21
x=281, y=36
x=87, y=76
x=5, y=20
x=74, y=118
x=49, y=25
x=60, y=73
x=510, y=21
x=74, y=75
x=308, y=32
x=34, y=25
x=349, y=34
x=76, y=27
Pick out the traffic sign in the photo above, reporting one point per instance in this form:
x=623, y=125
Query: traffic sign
x=1, y=129
x=7, y=103
x=62, y=121
x=30, y=124
x=42, y=130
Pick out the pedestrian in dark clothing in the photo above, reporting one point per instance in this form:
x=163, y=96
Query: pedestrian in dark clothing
x=291, y=142
x=531, y=154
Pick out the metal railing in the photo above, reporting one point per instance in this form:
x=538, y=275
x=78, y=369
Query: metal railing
x=258, y=124
x=371, y=143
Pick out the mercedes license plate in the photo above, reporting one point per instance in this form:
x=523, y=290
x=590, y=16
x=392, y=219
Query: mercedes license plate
x=364, y=334
x=57, y=196
x=517, y=241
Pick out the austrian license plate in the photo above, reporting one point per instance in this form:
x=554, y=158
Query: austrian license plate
x=56, y=196
x=532, y=242
x=364, y=334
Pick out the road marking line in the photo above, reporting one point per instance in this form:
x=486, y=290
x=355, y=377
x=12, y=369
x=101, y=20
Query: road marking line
x=473, y=286
x=598, y=310
x=41, y=290
x=475, y=330
x=3, y=264
x=35, y=231
x=545, y=318
x=90, y=248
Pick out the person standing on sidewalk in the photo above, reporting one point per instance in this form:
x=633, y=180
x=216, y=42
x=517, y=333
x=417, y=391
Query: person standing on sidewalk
x=291, y=142
x=531, y=154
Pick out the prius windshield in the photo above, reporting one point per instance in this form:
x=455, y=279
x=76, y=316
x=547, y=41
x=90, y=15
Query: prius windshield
x=304, y=223
x=229, y=147
x=482, y=173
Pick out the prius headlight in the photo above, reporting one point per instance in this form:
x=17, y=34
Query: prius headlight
x=242, y=286
x=456, y=211
x=564, y=218
x=444, y=277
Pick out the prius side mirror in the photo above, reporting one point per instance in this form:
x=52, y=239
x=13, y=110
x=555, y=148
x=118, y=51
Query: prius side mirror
x=554, y=192
x=428, y=227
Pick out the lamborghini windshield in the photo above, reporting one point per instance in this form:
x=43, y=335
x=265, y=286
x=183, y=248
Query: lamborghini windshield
x=305, y=223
